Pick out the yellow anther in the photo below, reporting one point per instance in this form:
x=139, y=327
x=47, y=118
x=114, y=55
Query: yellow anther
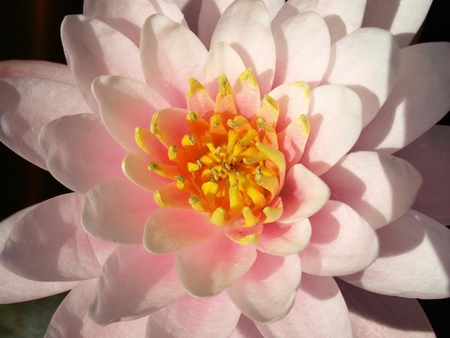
x=266, y=171
x=248, y=77
x=304, y=122
x=188, y=140
x=269, y=183
x=172, y=152
x=224, y=86
x=250, y=218
x=154, y=126
x=305, y=88
x=209, y=190
x=194, y=166
x=218, y=217
x=251, y=134
x=258, y=157
x=272, y=214
x=273, y=155
x=236, y=202
x=192, y=116
x=158, y=198
x=232, y=140
x=194, y=86
x=180, y=181
x=206, y=160
x=249, y=239
x=196, y=203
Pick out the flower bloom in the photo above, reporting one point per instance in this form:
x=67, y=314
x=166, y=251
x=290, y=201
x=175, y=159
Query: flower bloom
x=227, y=160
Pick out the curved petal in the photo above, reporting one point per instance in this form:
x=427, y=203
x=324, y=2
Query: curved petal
x=115, y=211
x=342, y=242
x=71, y=320
x=246, y=328
x=170, y=54
x=284, y=239
x=424, y=153
x=194, y=317
x=191, y=10
x=276, y=278
x=379, y=187
x=24, y=112
x=384, y=316
x=401, y=120
x=126, y=104
x=134, y=283
x=302, y=40
x=33, y=68
x=208, y=268
x=414, y=260
x=221, y=59
x=367, y=61
x=319, y=311
x=336, y=118
x=245, y=26
x=169, y=230
x=303, y=194
x=36, y=250
x=13, y=288
x=80, y=152
x=402, y=18
x=128, y=16
x=93, y=48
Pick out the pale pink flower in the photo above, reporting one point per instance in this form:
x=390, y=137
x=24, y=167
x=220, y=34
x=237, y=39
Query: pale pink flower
x=234, y=214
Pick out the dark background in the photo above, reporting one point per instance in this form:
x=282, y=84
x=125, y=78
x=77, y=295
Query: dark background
x=29, y=29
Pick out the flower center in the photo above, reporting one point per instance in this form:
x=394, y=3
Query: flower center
x=227, y=164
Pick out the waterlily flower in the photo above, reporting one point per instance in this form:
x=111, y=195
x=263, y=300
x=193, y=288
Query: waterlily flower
x=229, y=160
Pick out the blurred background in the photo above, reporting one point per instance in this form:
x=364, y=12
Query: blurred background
x=30, y=29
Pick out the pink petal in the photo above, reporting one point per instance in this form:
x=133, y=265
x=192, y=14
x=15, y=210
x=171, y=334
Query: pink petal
x=14, y=288
x=170, y=126
x=71, y=320
x=246, y=328
x=319, y=311
x=302, y=40
x=134, y=283
x=303, y=194
x=293, y=100
x=384, y=316
x=379, y=187
x=402, y=18
x=23, y=112
x=124, y=105
x=190, y=9
x=221, y=59
x=341, y=243
x=170, y=54
x=80, y=152
x=267, y=291
x=169, y=230
x=414, y=260
x=284, y=239
x=40, y=69
x=430, y=149
x=36, y=250
x=367, y=61
x=115, y=211
x=194, y=317
x=208, y=268
x=414, y=105
x=336, y=117
x=128, y=17
x=245, y=25
x=93, y=48
x=292, y=140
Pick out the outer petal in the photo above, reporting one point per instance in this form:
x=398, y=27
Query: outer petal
x=134, y=283
x=378, y=187
x=303, y=194
x=267, y=291
x=402, y=18
x=169, y=230
x=245, y=25
x=367, y=61
x=319, y=311
x=116, y=211
x=208, y=268
x=128, y=16
x=191, y=317
x=40, y=69
x=430, y=154
x=384, y=316
x=342, y=242
x=414, y=260
x=170, y=54
x=23, y=112
x=124, y=105
x=14, y=288
x=80, y=152
x=285, y=239
x=49, y=244
x=401, y=120
x=71, y=320
x=93, y=48
x=246, y=328
x=302, y=40
x=336, y=118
